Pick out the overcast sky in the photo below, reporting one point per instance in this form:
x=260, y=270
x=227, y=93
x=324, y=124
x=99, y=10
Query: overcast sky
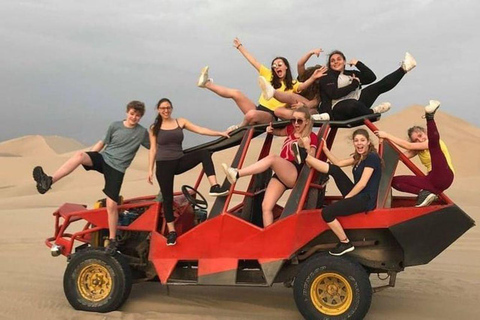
x=69, y=67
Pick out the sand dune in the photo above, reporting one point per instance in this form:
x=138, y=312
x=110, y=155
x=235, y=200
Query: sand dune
x=32, y=281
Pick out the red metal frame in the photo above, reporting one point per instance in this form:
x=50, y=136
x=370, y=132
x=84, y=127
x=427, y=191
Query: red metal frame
x=221, y=241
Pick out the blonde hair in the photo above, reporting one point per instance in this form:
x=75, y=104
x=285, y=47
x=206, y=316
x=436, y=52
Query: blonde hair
x=308, y=128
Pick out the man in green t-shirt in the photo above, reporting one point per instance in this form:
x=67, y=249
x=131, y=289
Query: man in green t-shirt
x=111, y=157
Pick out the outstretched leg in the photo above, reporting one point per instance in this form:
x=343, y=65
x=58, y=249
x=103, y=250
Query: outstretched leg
x=284, y=169
x=371, y=93
x=240, y=99
x=44, y=182
x=441, y=175
x=244, y=103
x=71, y=164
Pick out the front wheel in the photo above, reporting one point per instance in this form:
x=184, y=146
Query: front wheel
x=328, y=287
x=96, y=281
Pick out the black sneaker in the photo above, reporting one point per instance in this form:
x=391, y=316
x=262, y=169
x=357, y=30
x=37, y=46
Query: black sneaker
x=296, y=152
x=217, y=191
x=425, y=198
x=111, y=248
x=171, y=238
x=342, y=248
x=44, y=182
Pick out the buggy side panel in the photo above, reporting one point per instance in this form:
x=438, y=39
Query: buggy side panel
x=390, y=161
x=426, y=236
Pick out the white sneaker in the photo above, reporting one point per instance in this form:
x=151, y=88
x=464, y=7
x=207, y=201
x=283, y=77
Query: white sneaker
x=321, y=116
x=203, y=79
x=230, y=172
x=381, y=108
x=408, y=62
x=267, y=90
x=432, y=106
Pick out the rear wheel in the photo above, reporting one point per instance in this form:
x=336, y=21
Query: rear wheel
x=328, y=287
x=95, y=281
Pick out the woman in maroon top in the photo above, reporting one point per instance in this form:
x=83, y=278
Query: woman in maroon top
x=285, y=166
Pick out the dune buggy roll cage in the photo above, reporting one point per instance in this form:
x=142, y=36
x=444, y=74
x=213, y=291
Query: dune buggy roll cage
x=302, y=195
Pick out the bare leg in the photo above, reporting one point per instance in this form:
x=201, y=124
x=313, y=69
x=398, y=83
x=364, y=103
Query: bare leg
x=171, y=226
x=71, y=164
x=319, y=165
x=112, y=210
x=274, y=191
x=244, y=103
x=284, y=113
x=212, y=180
x=289, y=97
x=284, y=169
x=256, y=117
x=338, y=230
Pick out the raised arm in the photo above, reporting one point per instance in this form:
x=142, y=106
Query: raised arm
x=317, y=74
x=333, y=159
x=281, y=132
x=151, y=155
x=365, y=75
x=184, y=123
x=411, y=146
x=240, y=47
x=303, y=60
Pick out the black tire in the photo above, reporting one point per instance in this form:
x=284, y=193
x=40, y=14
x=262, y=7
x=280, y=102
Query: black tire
x=96, y=281
x=329, y=287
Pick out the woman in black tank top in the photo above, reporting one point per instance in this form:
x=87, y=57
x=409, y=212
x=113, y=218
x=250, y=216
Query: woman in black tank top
x=166, y=136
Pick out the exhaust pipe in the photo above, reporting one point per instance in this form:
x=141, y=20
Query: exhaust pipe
x=56, y=250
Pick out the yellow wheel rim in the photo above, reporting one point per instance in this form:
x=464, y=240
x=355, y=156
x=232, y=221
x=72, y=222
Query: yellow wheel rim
x=94, y=282
x=331, y=294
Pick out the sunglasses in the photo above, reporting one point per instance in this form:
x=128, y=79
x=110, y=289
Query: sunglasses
x=277, y=65
x=165, y=108
x=299, y=121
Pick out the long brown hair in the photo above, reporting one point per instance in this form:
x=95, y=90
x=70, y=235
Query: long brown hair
x=313, y=91
x=357, y=158
x=276, y=81
x=158, y=120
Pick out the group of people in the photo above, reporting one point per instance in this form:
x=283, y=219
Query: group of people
x=341, y=97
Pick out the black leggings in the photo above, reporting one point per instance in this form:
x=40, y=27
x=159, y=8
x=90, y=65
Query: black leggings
x=344, y=207
x=167, y=169
x=351, y=108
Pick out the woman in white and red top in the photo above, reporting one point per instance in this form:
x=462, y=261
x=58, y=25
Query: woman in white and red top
x=285, y=167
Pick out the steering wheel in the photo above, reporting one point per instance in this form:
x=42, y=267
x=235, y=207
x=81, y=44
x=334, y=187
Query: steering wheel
x=199, y=203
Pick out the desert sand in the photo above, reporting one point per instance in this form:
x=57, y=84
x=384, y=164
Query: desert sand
x=31, y=280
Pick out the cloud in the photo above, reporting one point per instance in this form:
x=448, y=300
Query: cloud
x=70, y=67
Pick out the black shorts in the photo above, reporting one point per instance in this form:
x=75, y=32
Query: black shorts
x=113, y=178
x=297, y=166
x=265, y=109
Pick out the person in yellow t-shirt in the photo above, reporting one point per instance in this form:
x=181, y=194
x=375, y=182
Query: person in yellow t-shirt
x=433, y=154
x=309, y=97
x=279, y=76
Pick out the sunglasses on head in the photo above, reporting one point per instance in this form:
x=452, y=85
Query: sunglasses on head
x=297, y=120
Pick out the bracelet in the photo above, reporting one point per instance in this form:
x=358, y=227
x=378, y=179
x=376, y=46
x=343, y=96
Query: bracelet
x=239, y=46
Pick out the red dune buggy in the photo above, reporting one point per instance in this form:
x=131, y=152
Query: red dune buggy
x=229, y=246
